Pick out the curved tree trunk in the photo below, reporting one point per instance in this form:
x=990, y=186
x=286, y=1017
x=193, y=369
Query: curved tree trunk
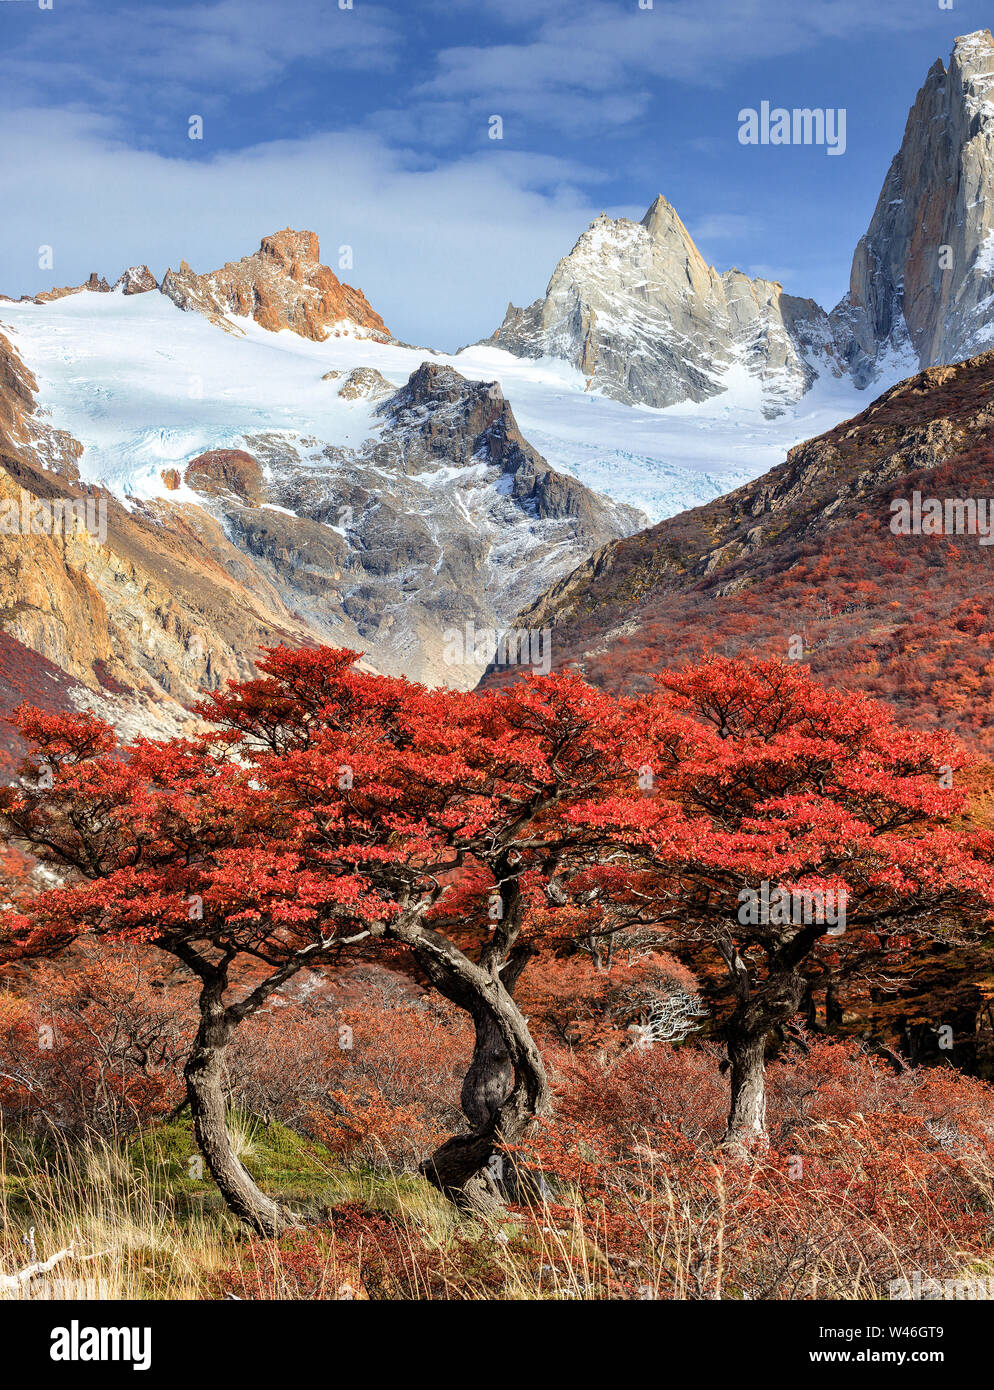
x=462, y=1167
x=205, y=1074
x=505, y=1088
x=490, y=1075
x=508, y=1090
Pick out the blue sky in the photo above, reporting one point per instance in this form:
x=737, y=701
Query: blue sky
x=370, y=126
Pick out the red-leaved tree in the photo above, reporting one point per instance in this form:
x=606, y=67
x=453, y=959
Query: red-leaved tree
x=783, y=826
x=327, y=812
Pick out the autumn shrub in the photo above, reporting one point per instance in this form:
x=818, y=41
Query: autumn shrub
x=97, y=1047
x=869, y=1174
x=365, y=1063
x=369, y=1066
x=363, y=1252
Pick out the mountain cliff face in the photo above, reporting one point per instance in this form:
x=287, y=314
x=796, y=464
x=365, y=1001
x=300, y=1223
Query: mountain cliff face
x=637, y=310
x=146, y=601
x=283, y=285
x=805, y=563
x=444, y=517
x=923, y=275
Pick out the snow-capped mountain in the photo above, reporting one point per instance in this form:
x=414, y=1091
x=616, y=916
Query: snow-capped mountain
x=261, y=484
x=443, y=520
x=636, y=309
x=272, y=485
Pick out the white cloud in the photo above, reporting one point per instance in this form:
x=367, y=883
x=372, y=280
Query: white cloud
x=438, y=250
x=606, y=47
x=206, y=50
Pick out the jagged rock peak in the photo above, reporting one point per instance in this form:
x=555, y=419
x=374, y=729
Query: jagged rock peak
x=137, y=279
x=96, y=284
x=442, y=405
x=922, y=279
x=637, y=309
x=434, y=383
x=662, y=220
x=283, y=285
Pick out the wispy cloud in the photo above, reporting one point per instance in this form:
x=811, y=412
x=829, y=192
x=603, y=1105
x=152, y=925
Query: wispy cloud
x=602, y=47
x=100, y=51
x=438, y=250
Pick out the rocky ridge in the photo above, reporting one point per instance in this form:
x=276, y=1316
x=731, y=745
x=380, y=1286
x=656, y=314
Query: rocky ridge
x=445, y=516
x=282, y=286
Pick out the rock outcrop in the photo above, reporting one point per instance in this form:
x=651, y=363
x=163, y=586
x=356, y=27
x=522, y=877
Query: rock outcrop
x=283, y=285
x=96, y=284
x=137, y=279
x=226, y=472
x=444, y=517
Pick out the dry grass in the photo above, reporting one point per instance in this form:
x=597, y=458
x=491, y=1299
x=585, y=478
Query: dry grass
x=139, y=1232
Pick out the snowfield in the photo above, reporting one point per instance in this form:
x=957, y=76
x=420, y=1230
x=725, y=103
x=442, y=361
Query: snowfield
x=145, y=386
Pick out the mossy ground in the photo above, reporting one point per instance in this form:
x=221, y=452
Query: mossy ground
x=149, y=1202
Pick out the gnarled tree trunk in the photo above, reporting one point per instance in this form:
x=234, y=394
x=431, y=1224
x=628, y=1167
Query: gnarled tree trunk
x=505, y=1088
x=759, y=1009
x=205, y=1084
x=746, y=1129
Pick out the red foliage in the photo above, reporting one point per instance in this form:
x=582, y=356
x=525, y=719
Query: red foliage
x=94, y=1043
x=870, y=1174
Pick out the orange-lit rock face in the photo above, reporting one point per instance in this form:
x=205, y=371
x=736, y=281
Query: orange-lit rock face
x=17, y=388
x=226, y=471
x=284, y=285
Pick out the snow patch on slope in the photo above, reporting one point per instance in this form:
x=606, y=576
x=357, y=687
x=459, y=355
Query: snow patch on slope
x=145, y=387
